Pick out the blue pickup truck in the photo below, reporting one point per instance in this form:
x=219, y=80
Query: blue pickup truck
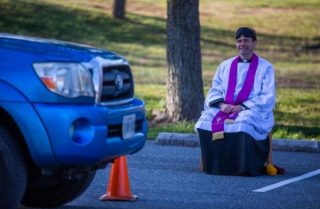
x=66, y=110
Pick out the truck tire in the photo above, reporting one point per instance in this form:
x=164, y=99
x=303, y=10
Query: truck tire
x=13, y=171
x=54, y=190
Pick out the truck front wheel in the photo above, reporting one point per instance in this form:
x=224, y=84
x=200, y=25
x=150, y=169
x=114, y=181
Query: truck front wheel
x=13, y=172
x=54, y=190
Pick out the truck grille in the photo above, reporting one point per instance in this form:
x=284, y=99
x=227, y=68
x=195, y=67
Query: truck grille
x=117, y=84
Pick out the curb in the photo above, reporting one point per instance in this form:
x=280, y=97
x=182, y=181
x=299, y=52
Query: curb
x=192, y=140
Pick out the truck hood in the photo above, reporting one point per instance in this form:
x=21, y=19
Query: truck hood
x=40, y=49
x=19, y=53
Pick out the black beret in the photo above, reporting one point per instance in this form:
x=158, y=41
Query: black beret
x=246, y=32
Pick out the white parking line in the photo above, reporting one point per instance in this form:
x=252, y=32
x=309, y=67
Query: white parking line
x=288, y=181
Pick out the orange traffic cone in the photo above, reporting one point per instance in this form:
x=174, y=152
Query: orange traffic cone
x=119, y=186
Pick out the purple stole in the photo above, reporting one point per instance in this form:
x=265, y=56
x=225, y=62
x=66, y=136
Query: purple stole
x=221, y=118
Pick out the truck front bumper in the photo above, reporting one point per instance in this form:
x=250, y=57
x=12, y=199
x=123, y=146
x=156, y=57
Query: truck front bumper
x=86, y=135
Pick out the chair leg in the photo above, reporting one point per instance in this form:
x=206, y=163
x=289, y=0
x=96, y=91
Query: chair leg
x=270, y=147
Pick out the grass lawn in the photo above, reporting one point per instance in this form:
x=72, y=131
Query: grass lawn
x=288, y=36
x=297, y=112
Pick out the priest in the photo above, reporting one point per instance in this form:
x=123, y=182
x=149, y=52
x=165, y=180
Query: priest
x=238, y=112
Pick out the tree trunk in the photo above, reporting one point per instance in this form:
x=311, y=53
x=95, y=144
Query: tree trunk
x=184, y=81
x=119, y=8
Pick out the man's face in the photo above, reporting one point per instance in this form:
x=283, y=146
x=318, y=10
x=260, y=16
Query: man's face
x=245, y=46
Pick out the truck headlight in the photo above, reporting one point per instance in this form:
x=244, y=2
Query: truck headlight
x=66, y=79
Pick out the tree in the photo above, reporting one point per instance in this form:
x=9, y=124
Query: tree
x=119, y=8
x=184, y=81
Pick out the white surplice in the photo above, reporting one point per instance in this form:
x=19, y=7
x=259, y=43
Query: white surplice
x=257, y=120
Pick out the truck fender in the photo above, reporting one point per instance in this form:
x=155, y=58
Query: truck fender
x=25, y=117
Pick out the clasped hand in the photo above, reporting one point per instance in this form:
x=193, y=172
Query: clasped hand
x=228, y=108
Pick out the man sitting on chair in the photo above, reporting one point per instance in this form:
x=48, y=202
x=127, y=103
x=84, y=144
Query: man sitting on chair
x=238, y=112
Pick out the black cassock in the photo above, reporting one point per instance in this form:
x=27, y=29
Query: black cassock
x=235, y=154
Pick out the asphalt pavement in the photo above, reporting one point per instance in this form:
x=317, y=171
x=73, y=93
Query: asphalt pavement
x=169, y=177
